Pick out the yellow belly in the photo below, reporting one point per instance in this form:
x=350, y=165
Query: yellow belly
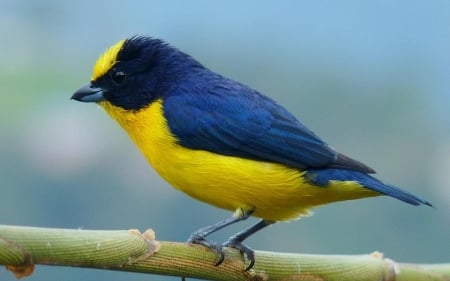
x=273, y=191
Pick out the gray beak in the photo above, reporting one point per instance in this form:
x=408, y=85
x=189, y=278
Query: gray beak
x=88, y=93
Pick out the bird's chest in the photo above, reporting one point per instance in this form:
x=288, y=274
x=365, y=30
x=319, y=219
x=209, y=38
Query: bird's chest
x=148, y=129
x=224, y=181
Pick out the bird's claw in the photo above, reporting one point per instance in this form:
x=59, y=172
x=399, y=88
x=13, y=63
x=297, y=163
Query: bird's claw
x=245, y=250
x=219, y=248
x=214, y=246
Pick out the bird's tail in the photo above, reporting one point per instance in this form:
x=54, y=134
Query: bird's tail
x=323, y=176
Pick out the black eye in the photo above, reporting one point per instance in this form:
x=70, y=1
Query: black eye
x=119, y=77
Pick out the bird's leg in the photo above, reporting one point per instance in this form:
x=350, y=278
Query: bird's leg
x=236, y=240
x=199, y=236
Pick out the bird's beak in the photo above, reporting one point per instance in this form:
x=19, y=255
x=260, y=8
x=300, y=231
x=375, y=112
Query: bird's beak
x=88, y=93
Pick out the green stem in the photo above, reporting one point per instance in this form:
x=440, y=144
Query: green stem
x=129, y=250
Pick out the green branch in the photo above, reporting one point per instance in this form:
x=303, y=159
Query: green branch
x=129, y=250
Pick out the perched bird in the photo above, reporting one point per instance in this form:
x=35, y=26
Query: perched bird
x=222, y=142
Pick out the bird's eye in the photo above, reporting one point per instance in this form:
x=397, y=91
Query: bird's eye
x=118, y=77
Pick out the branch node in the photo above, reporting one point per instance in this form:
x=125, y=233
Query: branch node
x=153, y=245
x=26, y=266
x=20, y=271
x=392, y=270
x=392, y=267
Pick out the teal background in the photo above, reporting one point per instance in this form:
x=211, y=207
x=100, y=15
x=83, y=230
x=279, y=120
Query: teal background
x=369, y=77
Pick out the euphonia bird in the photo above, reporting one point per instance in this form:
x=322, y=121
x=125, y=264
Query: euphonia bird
x=222, y=142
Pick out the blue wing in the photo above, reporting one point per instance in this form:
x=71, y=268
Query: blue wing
x=228, y=118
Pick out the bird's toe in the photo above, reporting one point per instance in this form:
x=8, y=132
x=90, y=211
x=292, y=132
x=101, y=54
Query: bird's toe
x=245, y=250
x=212, y=245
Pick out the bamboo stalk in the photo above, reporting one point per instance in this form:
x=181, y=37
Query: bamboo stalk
x=129, y=250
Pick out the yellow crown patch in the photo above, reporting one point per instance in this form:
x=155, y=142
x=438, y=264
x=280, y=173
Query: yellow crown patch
x=107, y=60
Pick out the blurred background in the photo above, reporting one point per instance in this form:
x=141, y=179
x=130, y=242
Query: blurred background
x=370, y=77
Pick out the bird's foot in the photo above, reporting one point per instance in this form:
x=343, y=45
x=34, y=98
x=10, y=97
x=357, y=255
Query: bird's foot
x=199, y=239
x=245, y=250
x=219, y=248
x=235, y=241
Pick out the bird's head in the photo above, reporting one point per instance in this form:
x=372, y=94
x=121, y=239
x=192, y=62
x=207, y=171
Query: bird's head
x=134, y=72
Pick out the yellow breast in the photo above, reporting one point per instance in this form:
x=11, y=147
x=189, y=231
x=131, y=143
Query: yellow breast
x=274, y=191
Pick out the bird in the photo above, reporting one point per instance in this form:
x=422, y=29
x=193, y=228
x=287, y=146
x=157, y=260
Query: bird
x=222, y=142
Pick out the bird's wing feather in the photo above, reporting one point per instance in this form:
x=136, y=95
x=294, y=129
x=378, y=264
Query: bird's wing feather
x=232, y=119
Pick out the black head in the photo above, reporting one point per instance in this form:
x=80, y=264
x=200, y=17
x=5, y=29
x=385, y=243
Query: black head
x=135, y=72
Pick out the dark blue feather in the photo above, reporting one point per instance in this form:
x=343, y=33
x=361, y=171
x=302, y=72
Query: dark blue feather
x=323, y=176
x=225, y=117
